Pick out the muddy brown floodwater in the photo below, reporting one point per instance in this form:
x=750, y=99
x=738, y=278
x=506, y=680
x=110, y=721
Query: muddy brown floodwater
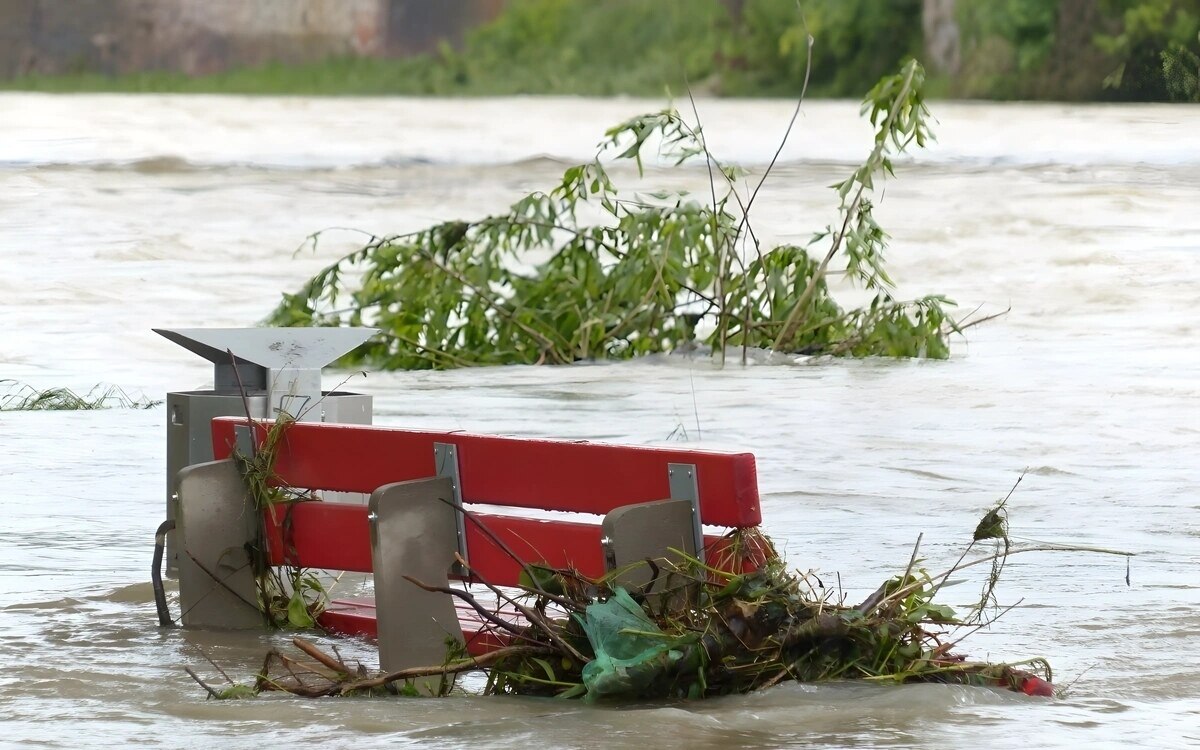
x=119, y=213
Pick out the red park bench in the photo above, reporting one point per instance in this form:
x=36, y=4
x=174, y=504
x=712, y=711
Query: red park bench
x=650, y=499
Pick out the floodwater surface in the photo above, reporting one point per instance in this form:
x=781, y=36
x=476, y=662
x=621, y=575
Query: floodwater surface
x=122, y=213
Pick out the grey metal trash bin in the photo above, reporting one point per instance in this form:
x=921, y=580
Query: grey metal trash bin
x=272, y=370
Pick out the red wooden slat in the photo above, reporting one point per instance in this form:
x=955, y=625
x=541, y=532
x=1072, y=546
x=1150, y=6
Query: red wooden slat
x=581, y=477
x=337, y=536
x=350, y=617
x=356, y=617
x=334, y=536
x=559, y=544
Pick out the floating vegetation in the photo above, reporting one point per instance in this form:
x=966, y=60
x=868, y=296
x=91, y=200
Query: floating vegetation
x=633, y=273
x=23, y=397
x=709, y=632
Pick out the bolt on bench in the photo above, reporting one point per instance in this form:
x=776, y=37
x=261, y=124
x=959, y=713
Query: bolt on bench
x=424, y=488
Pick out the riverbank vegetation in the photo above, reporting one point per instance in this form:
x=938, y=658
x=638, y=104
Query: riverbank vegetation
x=634, y=273
x=1131, y=50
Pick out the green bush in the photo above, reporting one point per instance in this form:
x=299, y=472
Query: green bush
x=855, y=42
x=1155, y=51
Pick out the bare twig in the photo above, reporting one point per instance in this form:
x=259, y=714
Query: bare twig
x=904, y=591
x=795, y=113
x=961, y=325
x=483, y=611
x=530, y=614
x=464, y=665
x=794, y=317
x=525, y=566
x=215, y=666
x=212, y=693
x=316, y=653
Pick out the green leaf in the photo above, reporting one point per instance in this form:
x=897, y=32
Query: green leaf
x=545, y=665
x=297, y=612
x=539, y=578
x=237, y=692
x=940, y=613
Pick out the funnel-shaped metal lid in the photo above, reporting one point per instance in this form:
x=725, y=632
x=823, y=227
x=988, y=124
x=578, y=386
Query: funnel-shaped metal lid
x=273, y=348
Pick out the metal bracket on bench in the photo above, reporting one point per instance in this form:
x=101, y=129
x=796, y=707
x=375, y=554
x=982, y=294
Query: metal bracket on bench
x=445, y=462
x=684, y=487
x=243, y=437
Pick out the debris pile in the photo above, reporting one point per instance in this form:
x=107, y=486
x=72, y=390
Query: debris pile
x=701, y=631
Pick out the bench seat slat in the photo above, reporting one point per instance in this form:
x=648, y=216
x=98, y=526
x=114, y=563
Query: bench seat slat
x=567, y=476
x=356, y=617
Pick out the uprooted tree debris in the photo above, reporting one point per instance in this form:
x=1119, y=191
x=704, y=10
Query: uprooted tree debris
x=704, y=632
x=629, y=274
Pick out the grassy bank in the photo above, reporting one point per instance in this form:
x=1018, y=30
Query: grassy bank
x=342, y=76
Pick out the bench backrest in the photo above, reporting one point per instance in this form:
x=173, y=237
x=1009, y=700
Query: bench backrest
x=578, y=477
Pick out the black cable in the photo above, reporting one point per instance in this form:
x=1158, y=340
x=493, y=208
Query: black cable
x=160, y=596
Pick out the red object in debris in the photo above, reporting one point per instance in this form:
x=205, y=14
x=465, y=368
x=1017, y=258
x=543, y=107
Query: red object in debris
x=1037, y=686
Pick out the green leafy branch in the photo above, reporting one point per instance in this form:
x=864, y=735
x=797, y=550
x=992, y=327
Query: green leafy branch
x=634, y=274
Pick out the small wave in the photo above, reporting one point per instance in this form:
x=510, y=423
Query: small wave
x=921, y=473
x=1048, y=471
x=168, y=164
x=135, y=593
x=162, y=165
x=65, y=604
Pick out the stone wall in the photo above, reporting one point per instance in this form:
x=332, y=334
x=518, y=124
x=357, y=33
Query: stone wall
x=207, y=36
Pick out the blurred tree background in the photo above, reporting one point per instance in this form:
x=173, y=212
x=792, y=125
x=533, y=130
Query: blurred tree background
x=1074, y=50
x=1139, y=50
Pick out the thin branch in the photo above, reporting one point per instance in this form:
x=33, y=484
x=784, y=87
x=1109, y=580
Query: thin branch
x=212, y=693
x=795, y=114
x=793, y=318
x=722, y=322
x=316, y=653
x=483, y=611
x=500, y=543
x=215, y=666
x=962, y=325
x=464, y=665
x=532, y=615
x=904, y=591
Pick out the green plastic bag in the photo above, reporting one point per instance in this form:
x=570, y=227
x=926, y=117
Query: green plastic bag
x=631, y=651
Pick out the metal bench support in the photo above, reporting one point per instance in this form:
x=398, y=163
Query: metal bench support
x=633, y=534
x=215, y=523
x=414, y=532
